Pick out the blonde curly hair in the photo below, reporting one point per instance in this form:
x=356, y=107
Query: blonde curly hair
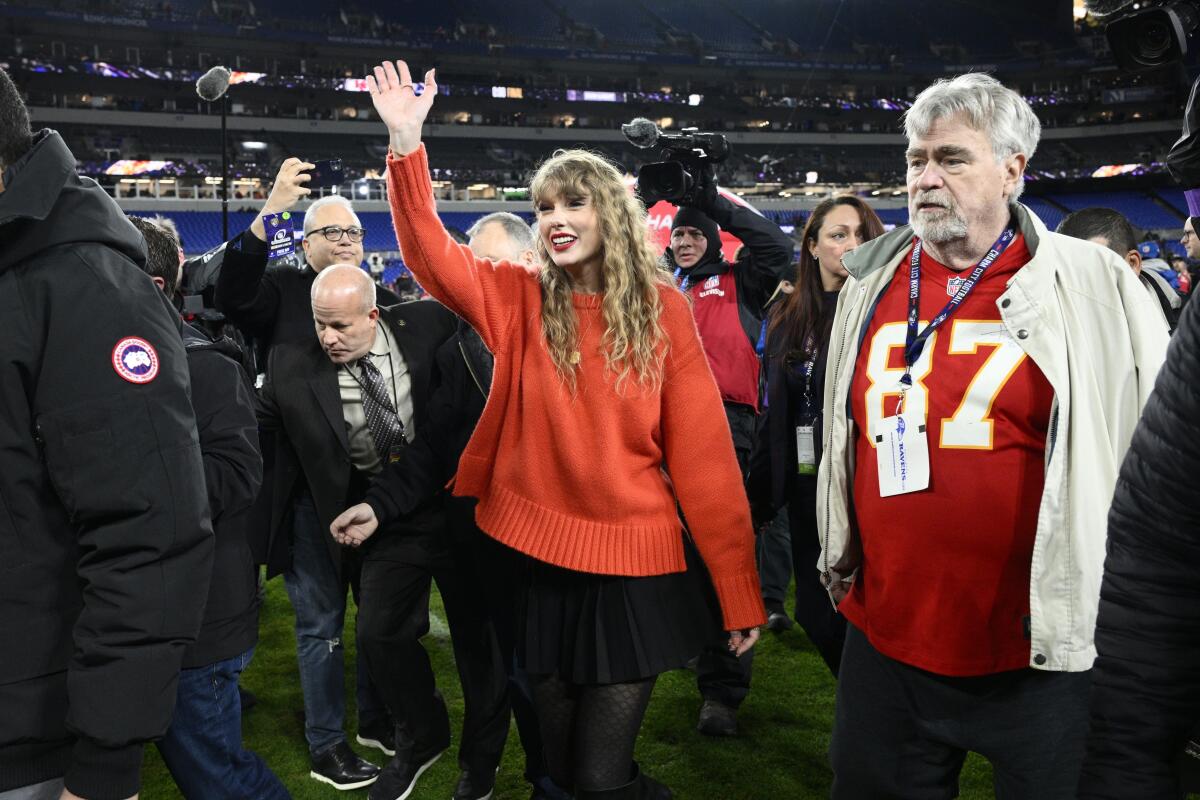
x=631, y=272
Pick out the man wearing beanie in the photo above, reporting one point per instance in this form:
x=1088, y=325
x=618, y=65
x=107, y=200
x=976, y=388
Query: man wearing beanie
x=728, y=301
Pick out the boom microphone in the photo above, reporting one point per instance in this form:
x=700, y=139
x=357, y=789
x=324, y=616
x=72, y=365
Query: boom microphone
x=212, y=84
x=641, y=132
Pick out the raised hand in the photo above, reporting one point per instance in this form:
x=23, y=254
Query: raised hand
x=398, y=104
x=289, y=187
x=287, y=190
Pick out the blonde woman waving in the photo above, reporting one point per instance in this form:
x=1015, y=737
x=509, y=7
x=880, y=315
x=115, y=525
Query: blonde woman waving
x=585, y=452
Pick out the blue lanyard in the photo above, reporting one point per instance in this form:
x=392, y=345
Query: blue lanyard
x=683, y=284
x=914, y=342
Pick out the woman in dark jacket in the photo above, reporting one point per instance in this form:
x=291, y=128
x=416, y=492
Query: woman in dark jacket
x=1146, y=679
x=785, y=465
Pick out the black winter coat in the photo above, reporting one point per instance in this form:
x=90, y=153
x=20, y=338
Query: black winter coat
x=1146, y=679
x=224, y=406
x=105, y=541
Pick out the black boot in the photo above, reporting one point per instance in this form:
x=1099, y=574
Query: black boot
x=648, y=788
x=641, y=787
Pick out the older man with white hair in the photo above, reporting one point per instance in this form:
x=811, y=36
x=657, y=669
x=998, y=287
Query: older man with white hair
x=272, y=304
x=984, y=379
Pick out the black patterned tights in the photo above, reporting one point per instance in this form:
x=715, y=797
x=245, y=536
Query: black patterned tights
x=589, y=731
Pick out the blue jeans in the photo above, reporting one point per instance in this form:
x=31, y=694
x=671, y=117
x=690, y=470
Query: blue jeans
x=203, y=747
x=319, y=600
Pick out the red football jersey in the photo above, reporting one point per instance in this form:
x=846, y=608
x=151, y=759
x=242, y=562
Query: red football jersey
x=944, y=584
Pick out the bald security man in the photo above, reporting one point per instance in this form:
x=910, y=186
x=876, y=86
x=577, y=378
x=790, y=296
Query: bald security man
x=344, y=402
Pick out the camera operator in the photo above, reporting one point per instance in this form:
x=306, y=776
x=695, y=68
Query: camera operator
x=728, y=298
x=728, y=302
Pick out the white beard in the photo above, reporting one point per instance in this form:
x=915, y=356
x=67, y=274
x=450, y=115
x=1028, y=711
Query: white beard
x=941, y=225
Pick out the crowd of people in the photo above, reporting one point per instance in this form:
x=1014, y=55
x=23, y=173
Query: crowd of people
x=940, y=432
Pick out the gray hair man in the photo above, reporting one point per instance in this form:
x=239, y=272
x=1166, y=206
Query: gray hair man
x=273, y=305
x=502, y=236
x=975, y=356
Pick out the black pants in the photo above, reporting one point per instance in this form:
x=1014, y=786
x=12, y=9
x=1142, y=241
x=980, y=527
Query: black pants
x=901, y=733
x=498, y=569
x=397, y=570
x=826, y=628
x=720, y=675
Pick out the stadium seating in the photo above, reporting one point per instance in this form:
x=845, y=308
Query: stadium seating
x=1139, y=208
x=201, y=230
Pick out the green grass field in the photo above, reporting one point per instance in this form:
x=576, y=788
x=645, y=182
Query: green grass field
x=780, y=754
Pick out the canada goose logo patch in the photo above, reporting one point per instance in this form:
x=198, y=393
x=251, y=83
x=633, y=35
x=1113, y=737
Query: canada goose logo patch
x=135, y=360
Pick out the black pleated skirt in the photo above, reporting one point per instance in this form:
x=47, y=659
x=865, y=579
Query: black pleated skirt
x=603, y=629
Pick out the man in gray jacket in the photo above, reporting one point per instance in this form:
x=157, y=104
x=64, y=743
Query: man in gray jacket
x=985, y=376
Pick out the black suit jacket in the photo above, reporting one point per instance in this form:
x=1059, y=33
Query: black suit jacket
x=300, y=401
x=417, y=477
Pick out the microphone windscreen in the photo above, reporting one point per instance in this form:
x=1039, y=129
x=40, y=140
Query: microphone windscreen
x=1105, y=7
x=641, y=132
x=212, y=84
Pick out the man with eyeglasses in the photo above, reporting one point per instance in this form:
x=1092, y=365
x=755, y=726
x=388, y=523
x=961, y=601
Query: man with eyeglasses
x=273, y=306
x=1189, y=240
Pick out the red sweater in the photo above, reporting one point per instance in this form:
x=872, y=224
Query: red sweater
x=578, y=480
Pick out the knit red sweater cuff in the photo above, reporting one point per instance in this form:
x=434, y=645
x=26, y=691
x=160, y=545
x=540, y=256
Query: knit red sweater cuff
x=408, y=179
x=741, y=601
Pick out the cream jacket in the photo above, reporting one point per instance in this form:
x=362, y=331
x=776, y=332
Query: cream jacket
x=1083, y=317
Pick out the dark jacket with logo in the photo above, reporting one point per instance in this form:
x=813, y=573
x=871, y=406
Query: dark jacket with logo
x=1146, y=678
x=224, y=406
x=105, y=541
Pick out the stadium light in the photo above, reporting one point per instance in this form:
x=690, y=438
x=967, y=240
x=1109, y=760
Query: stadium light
x=254, y=145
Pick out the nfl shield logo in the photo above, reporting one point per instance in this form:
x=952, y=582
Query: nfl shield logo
x=953, y=285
